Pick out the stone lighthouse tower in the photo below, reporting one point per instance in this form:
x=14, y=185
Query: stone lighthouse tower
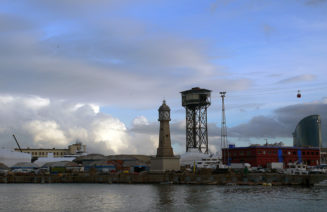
x=164, y=149
x=165, y=159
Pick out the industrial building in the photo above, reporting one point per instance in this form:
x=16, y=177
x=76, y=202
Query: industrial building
x=260, y=156
x=114, y=163
x=75, y=149
x=308, y=132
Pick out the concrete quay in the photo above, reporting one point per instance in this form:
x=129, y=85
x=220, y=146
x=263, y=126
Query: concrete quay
x=170, y=178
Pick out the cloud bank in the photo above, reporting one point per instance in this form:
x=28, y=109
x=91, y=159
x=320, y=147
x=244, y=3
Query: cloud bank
x=45, y=123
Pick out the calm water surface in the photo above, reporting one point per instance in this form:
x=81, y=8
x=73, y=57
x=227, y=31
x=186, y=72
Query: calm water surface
x=121, y=197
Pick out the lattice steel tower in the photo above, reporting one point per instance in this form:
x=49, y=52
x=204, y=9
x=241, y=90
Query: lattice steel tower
x=196, y=101
x=223, y=134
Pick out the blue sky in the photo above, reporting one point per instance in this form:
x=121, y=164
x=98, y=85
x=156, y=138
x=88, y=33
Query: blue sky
x=119, y=59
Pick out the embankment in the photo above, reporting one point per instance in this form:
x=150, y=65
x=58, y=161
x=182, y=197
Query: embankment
x=168, y=178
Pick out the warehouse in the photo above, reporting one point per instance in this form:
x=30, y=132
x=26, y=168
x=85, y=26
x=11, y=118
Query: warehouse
x=260, y=156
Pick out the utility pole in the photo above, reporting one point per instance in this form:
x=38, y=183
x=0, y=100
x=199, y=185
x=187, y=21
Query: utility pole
x=223, y=134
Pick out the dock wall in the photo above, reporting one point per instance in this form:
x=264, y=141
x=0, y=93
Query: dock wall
x=172, y=178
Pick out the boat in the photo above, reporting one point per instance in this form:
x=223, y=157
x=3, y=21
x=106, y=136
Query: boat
x=296, y=168
x=200, y=160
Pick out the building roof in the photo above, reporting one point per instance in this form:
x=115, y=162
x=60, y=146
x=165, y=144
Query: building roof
x=90, y=157
x=100, y=163
x=141, y=158
x=40, y=149
x=3, y=166
x=196, y=90
x=274, y=147
x=60, y=164
x=25, y=165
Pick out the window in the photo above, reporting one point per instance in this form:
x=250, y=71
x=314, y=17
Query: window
x=294, y=152
x=303, y=153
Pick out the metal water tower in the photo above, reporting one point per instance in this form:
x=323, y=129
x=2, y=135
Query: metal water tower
x=196, y=101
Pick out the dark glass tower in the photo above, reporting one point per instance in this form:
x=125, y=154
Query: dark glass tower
x=308, y=132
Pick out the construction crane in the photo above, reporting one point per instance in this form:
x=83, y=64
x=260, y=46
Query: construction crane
x=17, y=143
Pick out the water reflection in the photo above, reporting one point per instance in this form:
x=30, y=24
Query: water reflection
x=166, y=196
x=118, y=197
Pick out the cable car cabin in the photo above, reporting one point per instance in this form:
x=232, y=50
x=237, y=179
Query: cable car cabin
x=298, y=94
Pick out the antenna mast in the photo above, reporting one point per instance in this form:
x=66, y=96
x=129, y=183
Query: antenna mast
x=223, y=134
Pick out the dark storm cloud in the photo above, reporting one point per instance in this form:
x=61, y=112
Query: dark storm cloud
x=259, y=127
x=282, y=123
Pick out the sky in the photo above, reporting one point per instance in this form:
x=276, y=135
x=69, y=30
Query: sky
x=96, y=71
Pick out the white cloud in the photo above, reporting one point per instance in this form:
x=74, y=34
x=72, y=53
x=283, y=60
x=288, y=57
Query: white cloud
x=45, y=133
x=5, y=99
x=140, y=120
x=36, y=102
x=112, y=132
x=45, y=123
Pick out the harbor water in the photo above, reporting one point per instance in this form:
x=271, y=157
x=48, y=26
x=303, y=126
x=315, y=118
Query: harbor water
x=124, y=197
